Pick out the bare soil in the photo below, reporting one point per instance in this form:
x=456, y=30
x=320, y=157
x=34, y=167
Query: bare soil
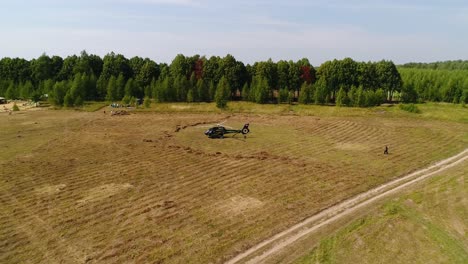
x=311, y=224
x=87, y=187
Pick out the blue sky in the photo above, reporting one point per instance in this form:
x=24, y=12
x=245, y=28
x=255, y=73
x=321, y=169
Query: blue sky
x=319, y=30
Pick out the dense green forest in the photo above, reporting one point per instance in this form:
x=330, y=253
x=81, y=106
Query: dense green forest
x=440, y=65
x=434, y=85
x=115, y=78
x=443, y=81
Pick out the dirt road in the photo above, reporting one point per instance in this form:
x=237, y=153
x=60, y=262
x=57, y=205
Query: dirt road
x=261, y=251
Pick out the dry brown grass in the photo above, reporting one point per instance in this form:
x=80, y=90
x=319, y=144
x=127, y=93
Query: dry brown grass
x=424, y=224
x=129, y=188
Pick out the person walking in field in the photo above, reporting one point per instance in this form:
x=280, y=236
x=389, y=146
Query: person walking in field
x=386, y=150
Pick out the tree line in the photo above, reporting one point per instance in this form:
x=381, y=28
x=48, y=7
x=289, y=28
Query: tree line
x=421, y=85
x=75, y=79
x=439, y=65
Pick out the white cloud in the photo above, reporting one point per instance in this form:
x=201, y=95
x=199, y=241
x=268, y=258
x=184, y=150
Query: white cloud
x=250, y=30
x=164, y=2
x=317, y=44
x=379, y=5
x=267, y=21
x=460, y=17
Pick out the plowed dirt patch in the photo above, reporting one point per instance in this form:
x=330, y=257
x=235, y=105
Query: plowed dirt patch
x=351, y=146
x=50, y=189
x=104, y=191
x=238, y=204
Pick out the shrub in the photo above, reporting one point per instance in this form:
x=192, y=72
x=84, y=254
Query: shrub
x=359, y=97
x=290, y=97
x=222, y=93
x=283, y=95
x=68, y=100
x=464, y=97
x=320, y=92
x=245, y=92
x=341, y=98
x=15, y=107
x=261, y=91
x=147, y=102
x=392, y=208
x=190, y=96
x=352, y=94
x=126, y=100
x=78, y=101
x=380, y=96
x=305, y=96
x=133, y=101
x=408, y=94
x=369, y=98
x=412, y=108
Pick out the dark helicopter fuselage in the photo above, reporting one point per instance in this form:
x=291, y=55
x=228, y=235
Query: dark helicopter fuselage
x=220, y=131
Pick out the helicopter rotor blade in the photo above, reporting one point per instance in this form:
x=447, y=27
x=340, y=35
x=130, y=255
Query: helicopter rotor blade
x=222, y=124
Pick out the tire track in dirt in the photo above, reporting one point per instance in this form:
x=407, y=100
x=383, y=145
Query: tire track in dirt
x=281, y=240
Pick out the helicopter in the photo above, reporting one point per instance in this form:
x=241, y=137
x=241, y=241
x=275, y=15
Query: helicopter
x=219, y=131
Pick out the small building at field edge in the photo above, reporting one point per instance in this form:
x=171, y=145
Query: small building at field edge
x=3, y=100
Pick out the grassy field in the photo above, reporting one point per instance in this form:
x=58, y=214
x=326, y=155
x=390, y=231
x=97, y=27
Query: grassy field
x=425, y=225
x=150, y=187
x=431, y=111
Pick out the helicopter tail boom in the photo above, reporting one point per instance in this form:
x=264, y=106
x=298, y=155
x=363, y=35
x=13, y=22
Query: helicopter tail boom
x=245, y=129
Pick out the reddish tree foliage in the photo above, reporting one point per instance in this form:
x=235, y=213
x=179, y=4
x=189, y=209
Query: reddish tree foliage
x=198, y=69
x=306, y=76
